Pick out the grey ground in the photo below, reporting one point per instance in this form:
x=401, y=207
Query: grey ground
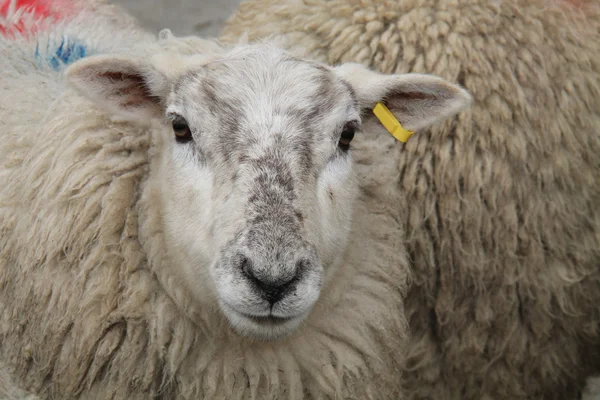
x=183, y=17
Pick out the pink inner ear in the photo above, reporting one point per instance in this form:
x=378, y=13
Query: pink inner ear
x=579, y=4
x=405, y=101
x=130, y=89
x=411, y=95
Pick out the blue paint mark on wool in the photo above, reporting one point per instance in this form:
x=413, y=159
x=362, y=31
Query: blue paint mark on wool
x=67, y=52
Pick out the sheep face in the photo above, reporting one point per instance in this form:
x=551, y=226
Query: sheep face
x=261, y=165
x=256, y=170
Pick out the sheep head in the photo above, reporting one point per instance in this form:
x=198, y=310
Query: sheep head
x=257, y=174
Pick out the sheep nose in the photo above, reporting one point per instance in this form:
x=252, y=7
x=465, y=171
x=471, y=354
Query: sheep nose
x=273, y=286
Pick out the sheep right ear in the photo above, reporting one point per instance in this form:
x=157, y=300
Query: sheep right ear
x=416, y=100
x=120, y=85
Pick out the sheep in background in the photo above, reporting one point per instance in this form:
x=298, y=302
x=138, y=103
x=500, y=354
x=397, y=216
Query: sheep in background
x=26, y=17
x=205, y=200
x=502, y=206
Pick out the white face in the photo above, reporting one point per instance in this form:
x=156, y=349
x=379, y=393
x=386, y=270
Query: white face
x=256, y=177
x=258, y=184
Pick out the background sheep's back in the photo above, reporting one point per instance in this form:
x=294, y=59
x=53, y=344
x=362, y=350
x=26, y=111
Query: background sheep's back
x=502, y=218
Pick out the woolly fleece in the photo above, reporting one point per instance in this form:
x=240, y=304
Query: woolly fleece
x=502, y=213
x=88, y=306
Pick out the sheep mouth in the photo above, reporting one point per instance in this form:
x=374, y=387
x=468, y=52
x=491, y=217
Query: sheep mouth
x=269, y=320
x=268, y=327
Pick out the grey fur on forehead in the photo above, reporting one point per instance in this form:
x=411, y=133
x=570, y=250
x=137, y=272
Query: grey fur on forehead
x=258, y=96
x=249, y=71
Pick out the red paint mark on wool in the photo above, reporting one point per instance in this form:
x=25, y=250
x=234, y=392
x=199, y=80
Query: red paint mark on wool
x=30, y=16
x=577, y=3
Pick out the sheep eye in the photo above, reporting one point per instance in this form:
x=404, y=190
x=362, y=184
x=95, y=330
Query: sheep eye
x=182, y=131
x=347, y=136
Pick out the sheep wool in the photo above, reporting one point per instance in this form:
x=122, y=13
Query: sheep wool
x=502, y=211
x=88, y=307
x=26, y=17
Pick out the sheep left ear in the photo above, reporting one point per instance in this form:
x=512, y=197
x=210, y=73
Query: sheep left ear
x=416, y=100
x=124, y=86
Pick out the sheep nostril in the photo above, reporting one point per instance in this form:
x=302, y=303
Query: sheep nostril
x=246, y=266
x=301, y=265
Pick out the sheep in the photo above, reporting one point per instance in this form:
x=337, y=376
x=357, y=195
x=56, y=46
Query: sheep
x=181, y=219
x=501, y=213
x=28, y=16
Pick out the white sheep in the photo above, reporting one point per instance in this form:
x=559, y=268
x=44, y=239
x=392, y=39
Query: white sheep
x=502, y=216
x=203, y=228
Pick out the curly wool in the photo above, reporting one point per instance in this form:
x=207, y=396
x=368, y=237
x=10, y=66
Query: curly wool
x=88, y=307
x=501, y=212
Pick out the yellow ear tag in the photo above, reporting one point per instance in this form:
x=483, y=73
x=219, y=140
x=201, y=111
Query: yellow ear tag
x=390, y=123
